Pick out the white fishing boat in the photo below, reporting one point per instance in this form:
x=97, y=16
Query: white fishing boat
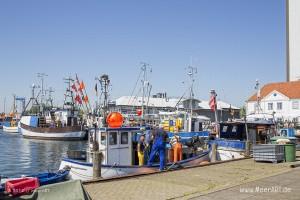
x=52, y=123
x=60, y=125
x=11, y=129
x=119, y=155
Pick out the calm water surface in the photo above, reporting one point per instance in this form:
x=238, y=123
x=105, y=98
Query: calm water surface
x=21, y=156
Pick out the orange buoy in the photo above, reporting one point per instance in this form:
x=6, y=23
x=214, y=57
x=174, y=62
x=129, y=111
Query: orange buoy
x=114, y=120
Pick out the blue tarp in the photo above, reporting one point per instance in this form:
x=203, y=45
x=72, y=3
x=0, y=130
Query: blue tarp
x=183, y=135
x=5, y=123
x=190, y=134
x=235, y=144
x=33, y=121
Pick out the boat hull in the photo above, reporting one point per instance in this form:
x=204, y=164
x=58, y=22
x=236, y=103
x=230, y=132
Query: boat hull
x=53, y=133
x=84, y=170
x=9, y=129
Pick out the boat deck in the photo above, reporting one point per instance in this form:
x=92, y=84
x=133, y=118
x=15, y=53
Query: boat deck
x=186, y=183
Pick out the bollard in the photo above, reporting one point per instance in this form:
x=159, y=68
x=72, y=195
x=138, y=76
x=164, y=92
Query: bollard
x=247, y=151
x=213, y=153
x=97, y=157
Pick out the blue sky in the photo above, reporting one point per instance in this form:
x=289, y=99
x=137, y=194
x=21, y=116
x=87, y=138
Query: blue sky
x=232, y=43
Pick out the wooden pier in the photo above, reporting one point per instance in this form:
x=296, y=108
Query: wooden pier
x=186, y=183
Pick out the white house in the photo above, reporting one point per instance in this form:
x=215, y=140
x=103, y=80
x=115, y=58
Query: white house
x=278, y=99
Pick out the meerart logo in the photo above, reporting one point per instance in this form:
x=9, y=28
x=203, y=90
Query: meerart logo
x=272, y=189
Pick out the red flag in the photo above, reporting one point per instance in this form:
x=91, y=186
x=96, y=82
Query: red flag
x=78, y=99
x=81, y=86
x=74, y=87
x=213, y=103
x=85, y=99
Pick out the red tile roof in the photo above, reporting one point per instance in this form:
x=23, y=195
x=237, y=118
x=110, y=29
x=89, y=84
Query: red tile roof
x=289, y=89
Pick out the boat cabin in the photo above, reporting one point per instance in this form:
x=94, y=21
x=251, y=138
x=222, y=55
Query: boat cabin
x=118, y=145
x=259, y=132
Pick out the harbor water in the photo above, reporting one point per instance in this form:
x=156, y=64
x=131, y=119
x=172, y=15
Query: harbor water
x=22, y=156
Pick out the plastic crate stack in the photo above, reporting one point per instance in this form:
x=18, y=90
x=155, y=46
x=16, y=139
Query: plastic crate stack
x=268, y=152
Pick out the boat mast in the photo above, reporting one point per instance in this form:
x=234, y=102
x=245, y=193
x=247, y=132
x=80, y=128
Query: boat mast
x=33, y=99
x=42, y=76
x=49, y=99
x=144, y=84
x=69, y=97
x=104, y=82
x=4, y=105
x=14, y=105
x=191, y=72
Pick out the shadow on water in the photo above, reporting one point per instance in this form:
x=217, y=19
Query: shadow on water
x=21, y=156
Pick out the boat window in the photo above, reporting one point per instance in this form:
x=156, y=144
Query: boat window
x=224, y=129
x=234, y=128
x=113, y=138
x=283, y=133
x=103, y=138
x=124, y=138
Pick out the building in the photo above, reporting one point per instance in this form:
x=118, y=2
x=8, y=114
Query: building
x=158, y=103
x=293, y=39
x=281, y=100
x=225, y=111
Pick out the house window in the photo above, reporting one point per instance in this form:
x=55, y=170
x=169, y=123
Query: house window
x=270, y=106
x=113, y=138
x=279, y=105
x=295, y=105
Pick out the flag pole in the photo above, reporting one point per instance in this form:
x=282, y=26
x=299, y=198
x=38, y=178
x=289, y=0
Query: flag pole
x=214, y=96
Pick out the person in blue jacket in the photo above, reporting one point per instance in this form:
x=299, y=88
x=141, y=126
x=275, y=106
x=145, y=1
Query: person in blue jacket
x=159, y=145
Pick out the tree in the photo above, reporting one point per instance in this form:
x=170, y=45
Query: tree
x=243, y=112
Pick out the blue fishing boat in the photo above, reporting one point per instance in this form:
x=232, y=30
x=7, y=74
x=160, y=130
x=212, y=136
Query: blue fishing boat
x=50, y=177
x=5, y=121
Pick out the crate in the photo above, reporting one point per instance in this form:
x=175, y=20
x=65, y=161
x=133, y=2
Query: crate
x=268, y=152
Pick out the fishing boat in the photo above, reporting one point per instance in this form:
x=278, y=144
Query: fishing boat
x=54, y=123
x=4, y=121
x=11, y=129
x=118, y=146
x=51, y=177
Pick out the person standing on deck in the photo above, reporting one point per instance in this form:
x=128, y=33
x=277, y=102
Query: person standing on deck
x=141, y=149
x=149, y=143
x=159, y=145
x=177, y=148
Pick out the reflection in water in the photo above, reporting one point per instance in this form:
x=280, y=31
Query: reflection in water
x=20, y=156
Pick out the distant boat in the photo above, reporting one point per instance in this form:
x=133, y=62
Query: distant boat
x=5, y=121
x=57, y=125
x=11, y=129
